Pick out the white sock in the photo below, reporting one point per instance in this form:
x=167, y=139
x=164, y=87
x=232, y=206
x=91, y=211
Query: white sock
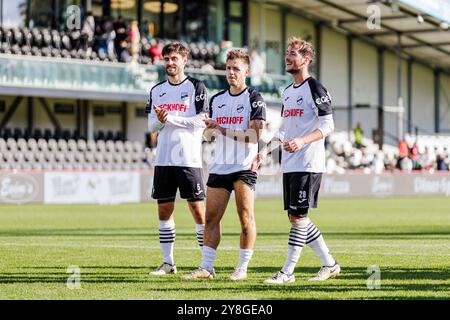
x=245, y=255
x=167, y=239
x=208, y=257
x=315, y=240
x=297, y=239
x=320, y=248
x=200, y=231
x=292, y=259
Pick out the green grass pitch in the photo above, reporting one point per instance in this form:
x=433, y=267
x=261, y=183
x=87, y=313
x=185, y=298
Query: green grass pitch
x=115, y=246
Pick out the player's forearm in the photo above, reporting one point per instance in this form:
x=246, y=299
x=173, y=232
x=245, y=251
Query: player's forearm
x=314, y=136
x=247, y=136
x=186, y=122
x=269, y=147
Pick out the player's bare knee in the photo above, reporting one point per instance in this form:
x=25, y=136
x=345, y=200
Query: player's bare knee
x=165, y=211
x=247, y=222
x=298, y=216
x=198, y=211
x=211, y=219
x=247, y=228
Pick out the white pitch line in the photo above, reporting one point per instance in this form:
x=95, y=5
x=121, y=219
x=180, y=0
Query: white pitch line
x=265, y=249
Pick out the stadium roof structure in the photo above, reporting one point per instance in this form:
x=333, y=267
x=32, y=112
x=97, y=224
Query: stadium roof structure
x=418, y=29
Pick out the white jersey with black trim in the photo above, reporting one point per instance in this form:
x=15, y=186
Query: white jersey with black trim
x=303, y=105
x=180, y=138
x=235, y=112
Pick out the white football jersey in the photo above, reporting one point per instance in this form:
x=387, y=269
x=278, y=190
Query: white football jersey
x=303, y=104
x=178, y=145
x=235, y=112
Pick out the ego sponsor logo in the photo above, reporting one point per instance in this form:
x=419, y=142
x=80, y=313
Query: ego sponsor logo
x=324, y=99
x=200, y=97
x=18, y=188
x=259, y=104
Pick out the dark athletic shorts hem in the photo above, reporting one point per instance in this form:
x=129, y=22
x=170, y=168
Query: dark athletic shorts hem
x=225, y=181
x=168, y=179
x=162, y=201
x=301, y=189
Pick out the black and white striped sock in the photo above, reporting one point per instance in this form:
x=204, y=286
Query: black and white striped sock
x=315, y=240
x=167, y=239
x=297, y=239
x=313, y=233
x=200, y=231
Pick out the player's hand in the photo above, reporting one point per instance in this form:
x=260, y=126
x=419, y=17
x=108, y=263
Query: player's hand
x=257, y=161
x=210, y=123
x=293, y=145
x=161, y=114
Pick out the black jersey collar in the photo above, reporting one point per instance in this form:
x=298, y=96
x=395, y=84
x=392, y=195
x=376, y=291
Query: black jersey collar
x=299, y=85
x=235, y=95
x=177, y=84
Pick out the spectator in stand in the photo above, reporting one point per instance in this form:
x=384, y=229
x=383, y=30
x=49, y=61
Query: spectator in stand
x=442, y=163
x=135, y=39
x=106, y=42
x=124, y=53
x=87, y=31
x=413, y=154
x=359, y=135
x=156, y=51
x=403, y=152
x=120, y=28
x=426, y=160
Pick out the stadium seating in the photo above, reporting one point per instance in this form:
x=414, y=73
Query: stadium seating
x=66, y=150
x=67, y=45
x=108, y=154
x=71, y=154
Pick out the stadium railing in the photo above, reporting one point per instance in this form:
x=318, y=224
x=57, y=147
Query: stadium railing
x=126, y=82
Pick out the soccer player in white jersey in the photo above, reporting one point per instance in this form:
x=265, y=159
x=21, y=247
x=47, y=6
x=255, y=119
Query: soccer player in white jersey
x=306, y=120
x=177, y=108
x=237, y=116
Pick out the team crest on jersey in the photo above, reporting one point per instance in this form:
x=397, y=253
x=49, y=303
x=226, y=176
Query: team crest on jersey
x=184, y=96
x=240, y=108
x=299, y=100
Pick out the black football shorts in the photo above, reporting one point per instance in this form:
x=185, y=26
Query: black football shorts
x=168, y=179
x=226, y=181
x=301, y=189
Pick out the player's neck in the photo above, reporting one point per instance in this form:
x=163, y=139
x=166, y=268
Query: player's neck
x=177, y=78
x=301, y=76
x=237, y=90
